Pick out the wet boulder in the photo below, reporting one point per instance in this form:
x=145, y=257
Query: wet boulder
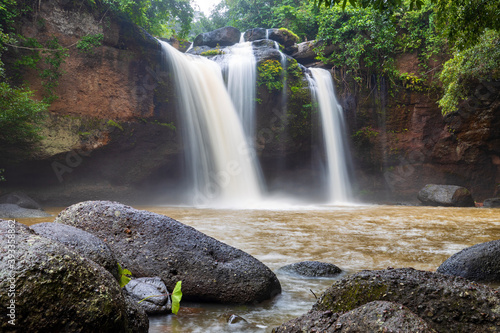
x=255, y=34
x=311, y=269
x=150, y=244
x=54, y=289
x=446, y=303
x=226, y=36
x=20, y=199
x=82, y=242
x=445, y=195
x=12, y=211
x=480, y=262
x=306, y=54
x=377, y=316
x=152, y=292
x=491, y=203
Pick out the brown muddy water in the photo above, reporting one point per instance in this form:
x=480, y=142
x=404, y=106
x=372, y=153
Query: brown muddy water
x=352, y=237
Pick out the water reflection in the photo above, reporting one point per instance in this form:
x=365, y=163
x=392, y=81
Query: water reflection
x=353, y=238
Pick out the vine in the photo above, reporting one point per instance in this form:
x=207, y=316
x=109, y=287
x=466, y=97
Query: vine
x=270, y=75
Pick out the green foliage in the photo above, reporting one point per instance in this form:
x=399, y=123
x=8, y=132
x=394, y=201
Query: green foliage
x=302, y=18
x=363, y=136
x=364, y=39
x=380, y=5
x=465, y=21
x=289, y=33
x=209, y=53
x=21, y=118
x=412, y=82
x=115, y=124
x=159, y=17
x=176, y=297
x=87, y=43
x=53, y=56
x=270, y=74
x=2, y=178
x=124, y=279
x=480, y=62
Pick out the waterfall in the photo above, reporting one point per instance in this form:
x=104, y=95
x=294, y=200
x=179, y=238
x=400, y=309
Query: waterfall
x=222, y=166
x=332, y=121
x=242, y=78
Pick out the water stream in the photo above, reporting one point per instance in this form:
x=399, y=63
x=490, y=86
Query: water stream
x=353, y=238
x=332, y=122
x=222, y=166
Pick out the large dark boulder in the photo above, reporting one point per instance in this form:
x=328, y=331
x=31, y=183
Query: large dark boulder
x=377, y=316
x=82, y=242
x=306, y=52
x=491, y=203
x=255, y=34
x=446, y=303
x=57, y=290
x=226, y=36
x=312, y=269
x=480, y=262
x=445, y=195
x=150, y=244
x=21, y=199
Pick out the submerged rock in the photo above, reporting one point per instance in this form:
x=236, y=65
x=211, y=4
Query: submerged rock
x=145, y=287
x=82, y=242
x=57, y=290
x=226, y=36
x=150, y=244
x=445, y=195
x=492, y=203
x=312, y=269
x=446, y=303
x=480, y=262
x=12, y=211
x=377, y=316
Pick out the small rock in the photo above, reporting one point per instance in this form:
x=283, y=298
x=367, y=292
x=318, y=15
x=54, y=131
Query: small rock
x=312, y=269
x=12, y=211
x=141, y=288
x=491, y=203
x=21, y=199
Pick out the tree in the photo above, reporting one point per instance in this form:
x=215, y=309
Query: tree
x=463, y=21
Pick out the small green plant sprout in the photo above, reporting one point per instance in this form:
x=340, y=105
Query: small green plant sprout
x=176, y=297
x=124, y=279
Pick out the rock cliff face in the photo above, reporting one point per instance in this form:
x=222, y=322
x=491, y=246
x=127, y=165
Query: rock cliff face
x=114, y=132
x=113, y=127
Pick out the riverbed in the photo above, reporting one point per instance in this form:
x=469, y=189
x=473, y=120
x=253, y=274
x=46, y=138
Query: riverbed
x=351, y=237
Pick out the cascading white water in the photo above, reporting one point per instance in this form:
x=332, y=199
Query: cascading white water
x=222, y=166
x=242, y=77
x=332, y=121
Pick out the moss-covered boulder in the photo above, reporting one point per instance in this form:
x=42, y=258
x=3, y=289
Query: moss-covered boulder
x=50, y=288
x=377, y=316
x=150, y=244
x=446, y=303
